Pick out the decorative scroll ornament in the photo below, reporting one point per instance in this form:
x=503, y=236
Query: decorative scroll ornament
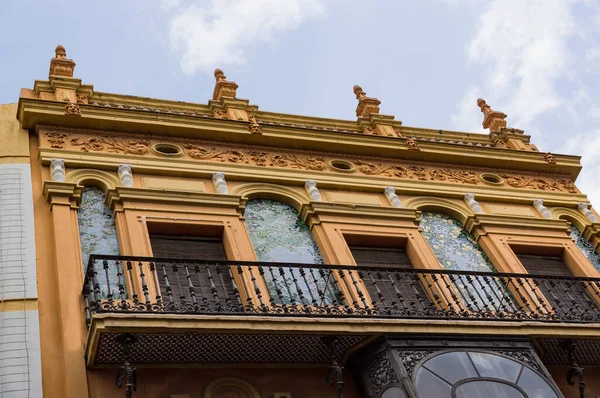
x=466, y=177
x=82, y=98
x=524, y=356
x=381, y=372
x=112, y=145
x=72, y=109
x=410, y=358
x=412, y=144
x=549, y=158
x=253, y=126
x=335, y=373
x=538, y=183
x=56, y=139
x=575, y=369
x=381, y=169
x=60, y=65
x=127, y=373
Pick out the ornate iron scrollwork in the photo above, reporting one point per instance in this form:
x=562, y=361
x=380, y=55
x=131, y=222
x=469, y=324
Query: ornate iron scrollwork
x=575, y=369
x=335, y=373
x=127, y=372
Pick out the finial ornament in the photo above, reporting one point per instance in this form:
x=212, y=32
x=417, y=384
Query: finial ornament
x=60, y=65
x=366, y=105
x=491, y=119
x=223, y=87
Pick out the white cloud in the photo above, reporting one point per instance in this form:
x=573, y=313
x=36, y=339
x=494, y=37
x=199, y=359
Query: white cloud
x=167, y=5
x=588, y=146
x=216, y=34
x=466, y=114
x=521, y=48
x=534, y=61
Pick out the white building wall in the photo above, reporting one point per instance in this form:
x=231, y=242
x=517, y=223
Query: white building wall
x=20, y=366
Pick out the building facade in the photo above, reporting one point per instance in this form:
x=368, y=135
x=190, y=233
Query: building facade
x=216, y=250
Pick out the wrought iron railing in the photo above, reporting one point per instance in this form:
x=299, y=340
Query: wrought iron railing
x=125, y=284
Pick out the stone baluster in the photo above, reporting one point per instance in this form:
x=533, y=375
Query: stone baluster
x=220, y=183
x=390, y=194
x=539, y=205
x=313, y=191
x=57, y=169
x=125, y=175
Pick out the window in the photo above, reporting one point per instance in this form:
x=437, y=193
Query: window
x=585, y=247
x=453, y=246
x=279, y=235
x=456, y=249
x=474, y=374
x=98, y=235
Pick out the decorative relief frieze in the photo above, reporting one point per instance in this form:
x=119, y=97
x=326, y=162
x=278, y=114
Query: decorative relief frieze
x=543, y=184
x=270, y=157
x=112, y=145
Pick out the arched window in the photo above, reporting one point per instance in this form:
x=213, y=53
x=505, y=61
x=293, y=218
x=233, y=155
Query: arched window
x=475, y=374
x=586, y=248
x=98, y=235
x=454, y=247
x=279, y=235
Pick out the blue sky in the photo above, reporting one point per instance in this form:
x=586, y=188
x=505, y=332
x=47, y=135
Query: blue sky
x=427, y=61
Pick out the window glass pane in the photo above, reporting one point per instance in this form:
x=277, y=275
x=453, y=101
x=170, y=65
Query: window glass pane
x=534, y=385
x=428, y=385
x=393, y=392
x=453, y=246
x=457, y=249
x=487, y=389
x=278, y=235
x=98, y=235
x=452, y=366
x=585, y=246
x=495, y=366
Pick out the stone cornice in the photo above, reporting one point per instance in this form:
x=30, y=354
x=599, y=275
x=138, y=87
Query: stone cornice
x=315, y=212
x=117, y=198
x=32, y=112
x=480, y=224
x=62, y=193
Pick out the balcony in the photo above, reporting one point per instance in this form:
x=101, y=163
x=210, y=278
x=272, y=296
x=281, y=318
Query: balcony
x=255, y=312
x=147, y=285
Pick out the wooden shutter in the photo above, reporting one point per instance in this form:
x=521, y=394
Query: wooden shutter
x=563, y=295
x=390, y=288
x=193, y=248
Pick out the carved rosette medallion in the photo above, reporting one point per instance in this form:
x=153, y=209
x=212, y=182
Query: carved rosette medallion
x=381, y=373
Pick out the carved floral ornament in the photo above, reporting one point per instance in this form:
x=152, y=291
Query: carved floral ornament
x=301, y=161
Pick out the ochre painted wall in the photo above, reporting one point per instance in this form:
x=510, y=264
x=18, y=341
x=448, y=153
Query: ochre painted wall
x=162, y=383
x=591, y=376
